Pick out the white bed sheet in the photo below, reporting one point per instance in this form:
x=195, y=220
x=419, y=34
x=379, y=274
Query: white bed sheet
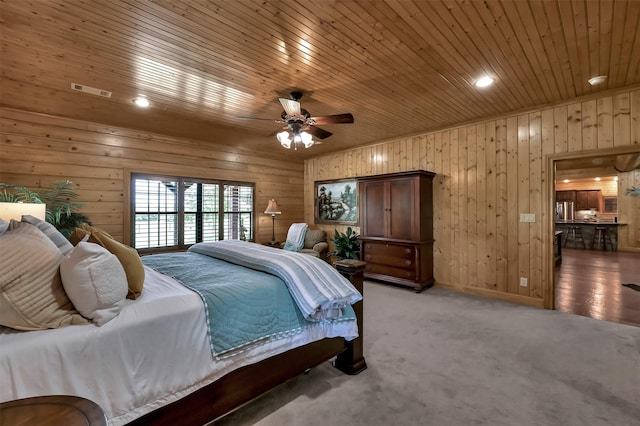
x=153, y=353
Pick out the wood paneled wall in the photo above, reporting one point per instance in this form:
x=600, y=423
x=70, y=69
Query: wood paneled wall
x=490, y=172
x=39, y=149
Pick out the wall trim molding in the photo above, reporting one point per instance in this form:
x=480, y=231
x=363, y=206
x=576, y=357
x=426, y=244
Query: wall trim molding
x=493, y=294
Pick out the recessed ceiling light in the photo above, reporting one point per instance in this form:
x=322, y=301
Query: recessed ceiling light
x=484, y=81
x=615, y=178
x=566, y=181
x=597, y=179
x=598, y=79
x=141, y=102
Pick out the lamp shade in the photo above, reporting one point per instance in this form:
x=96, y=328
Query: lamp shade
x=283, y=138
x=272, y=208
x=307, y=139
x=15, y=211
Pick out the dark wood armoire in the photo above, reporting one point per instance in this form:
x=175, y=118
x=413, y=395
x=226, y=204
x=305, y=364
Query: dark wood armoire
x=396, y=227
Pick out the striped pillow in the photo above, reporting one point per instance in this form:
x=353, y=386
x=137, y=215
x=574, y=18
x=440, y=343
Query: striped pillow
x=50, y=231
x=31, y=293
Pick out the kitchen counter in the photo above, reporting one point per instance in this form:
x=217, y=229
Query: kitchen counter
x=588, y=222
x=588, y=228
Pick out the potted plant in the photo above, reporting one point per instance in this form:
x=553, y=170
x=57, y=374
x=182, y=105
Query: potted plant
x=347, y=245
x=59, y=199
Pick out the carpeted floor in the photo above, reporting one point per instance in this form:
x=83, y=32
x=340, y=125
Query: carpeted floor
x=446, y=358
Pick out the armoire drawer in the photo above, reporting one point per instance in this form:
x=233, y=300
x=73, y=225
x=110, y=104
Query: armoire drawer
x=376, y=268
x=394, y=261
x=381, y=249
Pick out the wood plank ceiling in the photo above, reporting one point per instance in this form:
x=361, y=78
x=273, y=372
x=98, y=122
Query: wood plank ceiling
x=399, y=66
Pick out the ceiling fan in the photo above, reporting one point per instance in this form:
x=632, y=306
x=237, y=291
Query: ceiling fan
x=300, y=126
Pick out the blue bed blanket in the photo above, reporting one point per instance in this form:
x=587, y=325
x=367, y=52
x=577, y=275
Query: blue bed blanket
x=320, y=291
x=243, y=307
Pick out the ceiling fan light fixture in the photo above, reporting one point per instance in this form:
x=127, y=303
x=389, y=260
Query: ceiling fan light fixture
x=283, y=138
x=297, y=118
x=307, y=139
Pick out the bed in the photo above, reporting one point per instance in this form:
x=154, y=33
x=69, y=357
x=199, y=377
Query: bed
x=154, y=363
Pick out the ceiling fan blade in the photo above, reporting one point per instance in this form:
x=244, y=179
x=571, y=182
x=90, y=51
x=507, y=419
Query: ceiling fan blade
x=261, y=119
x=291, y=107
x=334, y=119
x=318, y=132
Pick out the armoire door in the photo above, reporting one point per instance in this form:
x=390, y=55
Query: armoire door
x=401, y=209
x=372, y=207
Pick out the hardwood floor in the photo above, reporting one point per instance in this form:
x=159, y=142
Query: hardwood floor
x=589, y=283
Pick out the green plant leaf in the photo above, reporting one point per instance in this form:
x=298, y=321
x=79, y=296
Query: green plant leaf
x=18, y=194
x=347, y=245
x=59, y=198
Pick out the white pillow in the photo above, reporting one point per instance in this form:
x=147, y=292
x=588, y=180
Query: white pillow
x=295, y=236
x=95, y=281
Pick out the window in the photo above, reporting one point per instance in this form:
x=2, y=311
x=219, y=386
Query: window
x=610, y=204
x=176, y=212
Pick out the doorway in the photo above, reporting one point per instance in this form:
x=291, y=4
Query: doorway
x=590, y=281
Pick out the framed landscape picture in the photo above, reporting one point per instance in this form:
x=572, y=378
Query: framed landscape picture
x=336, y=202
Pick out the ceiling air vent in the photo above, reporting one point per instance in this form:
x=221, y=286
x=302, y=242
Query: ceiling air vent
x=92, y=90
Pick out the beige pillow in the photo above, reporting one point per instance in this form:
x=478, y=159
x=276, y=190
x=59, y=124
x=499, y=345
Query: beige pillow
x=31, y=293
x=95, y=282
x=128, y=256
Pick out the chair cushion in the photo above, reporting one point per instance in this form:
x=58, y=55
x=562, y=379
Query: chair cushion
x=313, y=237
x=311, y=252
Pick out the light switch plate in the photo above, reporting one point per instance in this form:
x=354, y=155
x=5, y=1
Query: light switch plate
x=527, y=217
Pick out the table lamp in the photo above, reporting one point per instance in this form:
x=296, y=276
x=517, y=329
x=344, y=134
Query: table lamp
x=15, y=211
x=273, y=210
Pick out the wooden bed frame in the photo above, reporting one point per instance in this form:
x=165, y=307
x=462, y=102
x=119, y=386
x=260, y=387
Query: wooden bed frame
x=246, y=383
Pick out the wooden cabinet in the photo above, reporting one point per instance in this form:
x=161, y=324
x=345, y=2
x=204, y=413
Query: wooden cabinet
x=566, y=196
x=396, y=227
x=586, y=200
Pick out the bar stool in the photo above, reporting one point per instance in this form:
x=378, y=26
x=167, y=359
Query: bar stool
x=602, y=238
x=574, y=233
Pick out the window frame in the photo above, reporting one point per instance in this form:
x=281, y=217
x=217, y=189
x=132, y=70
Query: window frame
x=181, y=246
x=610, y=204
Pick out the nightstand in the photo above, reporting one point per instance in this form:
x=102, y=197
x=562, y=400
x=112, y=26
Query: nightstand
x=52, y=410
